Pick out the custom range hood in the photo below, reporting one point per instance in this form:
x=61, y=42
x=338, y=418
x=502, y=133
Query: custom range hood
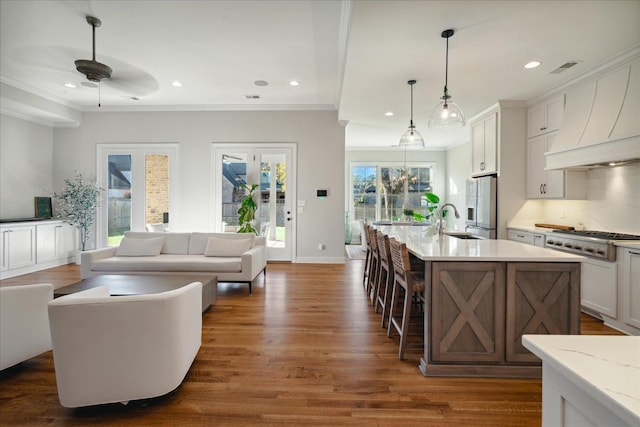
x=601, y=122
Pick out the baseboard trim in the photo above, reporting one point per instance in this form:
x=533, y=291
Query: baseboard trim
x=320, y=260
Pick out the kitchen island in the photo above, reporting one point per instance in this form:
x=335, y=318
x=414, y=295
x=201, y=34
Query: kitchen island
x=481, y=296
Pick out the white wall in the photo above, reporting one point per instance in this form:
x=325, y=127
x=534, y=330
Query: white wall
x=319, y=137
x=458, y=171
x=613, y=204
x=26, y=166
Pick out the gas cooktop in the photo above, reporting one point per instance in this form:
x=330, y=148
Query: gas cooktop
x=606, y=235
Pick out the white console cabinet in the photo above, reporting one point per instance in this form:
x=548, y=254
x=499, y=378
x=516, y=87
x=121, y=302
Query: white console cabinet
x=18, y=246
x=26, y=247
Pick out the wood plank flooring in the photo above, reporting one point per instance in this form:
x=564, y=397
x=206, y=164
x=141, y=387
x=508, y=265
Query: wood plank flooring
x=305, y=348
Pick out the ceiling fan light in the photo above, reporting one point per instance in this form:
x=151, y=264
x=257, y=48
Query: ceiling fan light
x=94, y=70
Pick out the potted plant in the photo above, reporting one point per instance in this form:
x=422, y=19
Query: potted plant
x=247, y=211
x=77, y=204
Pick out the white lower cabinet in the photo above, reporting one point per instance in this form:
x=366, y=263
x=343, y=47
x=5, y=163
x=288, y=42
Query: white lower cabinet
x=599, y=286
x=528, y=237
x=18, y=246
x=54, y=241
x=28, y=248
x=630, y=285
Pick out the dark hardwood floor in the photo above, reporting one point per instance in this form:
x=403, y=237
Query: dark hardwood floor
x=305, y=349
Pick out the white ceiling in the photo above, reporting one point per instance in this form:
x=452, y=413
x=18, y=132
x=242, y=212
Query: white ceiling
x=351, y=56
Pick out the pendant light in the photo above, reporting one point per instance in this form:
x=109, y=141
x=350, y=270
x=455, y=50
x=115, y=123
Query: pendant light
x=411, y=138
x=446, y=114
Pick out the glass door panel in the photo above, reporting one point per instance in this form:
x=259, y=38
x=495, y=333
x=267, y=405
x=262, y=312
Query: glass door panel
x=275, y=210
x=156, y=192
x=234, y=176
x=118, y=197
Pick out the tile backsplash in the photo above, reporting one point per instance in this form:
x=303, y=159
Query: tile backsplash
x=613, y=203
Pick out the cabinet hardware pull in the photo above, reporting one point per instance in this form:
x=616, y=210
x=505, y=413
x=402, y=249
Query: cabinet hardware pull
x=541, y=189
x=543, y=128
x=634, y=253
x=520, y=235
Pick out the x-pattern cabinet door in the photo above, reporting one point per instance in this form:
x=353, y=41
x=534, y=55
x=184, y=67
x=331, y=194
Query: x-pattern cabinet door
x=467, y=312
x=542, y=298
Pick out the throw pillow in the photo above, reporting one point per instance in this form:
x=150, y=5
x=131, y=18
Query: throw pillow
x=140, y=247
x=227, y=247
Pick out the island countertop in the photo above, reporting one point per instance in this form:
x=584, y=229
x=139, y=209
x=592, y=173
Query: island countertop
x=606, y=368
x=426, y=244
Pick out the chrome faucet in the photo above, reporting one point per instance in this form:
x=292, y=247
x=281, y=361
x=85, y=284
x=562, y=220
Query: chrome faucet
x=441, y=224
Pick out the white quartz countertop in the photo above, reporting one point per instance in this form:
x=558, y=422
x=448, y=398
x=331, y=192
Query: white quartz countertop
x=427, y=245
x=607, y=368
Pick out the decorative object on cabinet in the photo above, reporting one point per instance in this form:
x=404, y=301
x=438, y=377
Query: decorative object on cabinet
x=43, y=207
x=77, y=204
x=446, y=114
x=411, y=138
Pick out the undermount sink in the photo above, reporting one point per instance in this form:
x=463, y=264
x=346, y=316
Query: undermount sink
x=461, y=235
x=465, y=236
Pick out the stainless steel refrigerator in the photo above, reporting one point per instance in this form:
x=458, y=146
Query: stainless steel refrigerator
x=482, y=206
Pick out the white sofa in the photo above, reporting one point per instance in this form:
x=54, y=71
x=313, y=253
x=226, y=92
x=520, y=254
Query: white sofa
x=229, y=256
x=116, y=349
x=24, y=324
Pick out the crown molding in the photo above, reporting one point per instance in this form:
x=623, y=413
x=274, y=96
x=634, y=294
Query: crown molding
x=192, y=108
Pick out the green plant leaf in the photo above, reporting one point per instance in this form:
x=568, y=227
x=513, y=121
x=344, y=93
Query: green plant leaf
x=432, y=198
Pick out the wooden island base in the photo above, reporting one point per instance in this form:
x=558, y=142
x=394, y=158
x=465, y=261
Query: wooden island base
x=477, y=312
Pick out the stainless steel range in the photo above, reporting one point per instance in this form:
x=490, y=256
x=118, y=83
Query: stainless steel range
x=593, y=244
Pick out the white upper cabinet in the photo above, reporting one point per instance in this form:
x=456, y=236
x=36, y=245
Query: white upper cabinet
x=545, y=117
x=484, y=144
x=551, y=184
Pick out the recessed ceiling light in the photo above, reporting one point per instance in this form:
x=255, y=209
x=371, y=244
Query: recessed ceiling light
x=176, y=83
x=533, y=64
x=261, y=83
x=389, y=113
x=294, y=83
x=70, y=85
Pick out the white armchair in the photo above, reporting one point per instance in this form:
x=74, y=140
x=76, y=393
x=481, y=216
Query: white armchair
x=116, y=349
x=24, y=324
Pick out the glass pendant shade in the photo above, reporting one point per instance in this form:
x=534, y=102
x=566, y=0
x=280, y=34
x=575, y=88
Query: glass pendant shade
x=447, y=114
x=411, y=138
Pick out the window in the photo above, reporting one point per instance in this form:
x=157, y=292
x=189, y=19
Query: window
x=384, y=191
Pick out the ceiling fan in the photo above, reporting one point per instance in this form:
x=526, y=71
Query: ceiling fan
x=94, y=70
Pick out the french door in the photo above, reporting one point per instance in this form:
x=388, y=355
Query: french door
x=138, y=187
x=272, y=168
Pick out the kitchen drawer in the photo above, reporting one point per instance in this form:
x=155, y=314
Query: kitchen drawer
x=520, y=236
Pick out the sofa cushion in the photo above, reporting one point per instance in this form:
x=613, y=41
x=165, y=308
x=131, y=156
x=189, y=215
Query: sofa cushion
x=226, y=247
x=140, y=247
x=169, y=263
x=174, y=243
x=198, y=241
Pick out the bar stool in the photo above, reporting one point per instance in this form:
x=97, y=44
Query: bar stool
x=374, y=266
x=408, y=280
x=367, y=259
x=385, y=279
